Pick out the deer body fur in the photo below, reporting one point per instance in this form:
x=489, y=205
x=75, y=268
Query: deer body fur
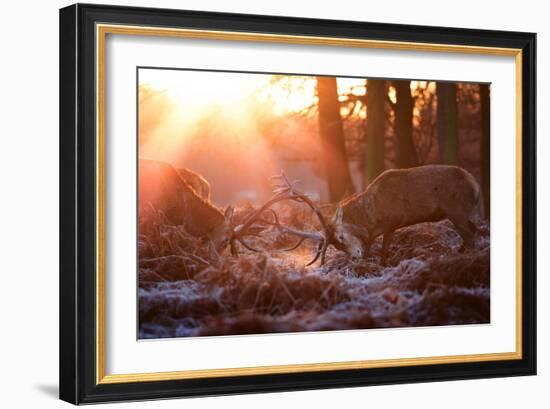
x=403, y=197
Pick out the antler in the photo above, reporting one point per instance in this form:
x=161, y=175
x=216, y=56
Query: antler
x=244, y=229
x=304, y=235
x=284, y=190
x=294, y=194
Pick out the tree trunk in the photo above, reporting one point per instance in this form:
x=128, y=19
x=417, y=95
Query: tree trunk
x=405, y=153
x=333, y=148
x=485, y=147
x=374, y=158
x=447, y=122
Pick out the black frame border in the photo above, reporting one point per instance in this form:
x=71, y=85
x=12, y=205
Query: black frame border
x=77, y=149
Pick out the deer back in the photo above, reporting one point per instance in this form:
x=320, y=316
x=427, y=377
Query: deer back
x=199, y=184
x=161, y=189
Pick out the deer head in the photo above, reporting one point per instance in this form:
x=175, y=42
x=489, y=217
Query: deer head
x=222, y=235
x=347, y=237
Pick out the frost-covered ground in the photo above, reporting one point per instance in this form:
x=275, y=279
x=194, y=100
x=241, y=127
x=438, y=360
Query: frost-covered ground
x=186, y=289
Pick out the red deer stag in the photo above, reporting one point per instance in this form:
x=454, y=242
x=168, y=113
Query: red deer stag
x=403, y=197
x=163, y=190
x=395, y=199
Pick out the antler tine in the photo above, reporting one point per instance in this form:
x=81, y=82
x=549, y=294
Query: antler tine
x=298, y=244
x=277, y=176
x=275, y=218
x=316, y=256
x=303, y=198
x=321, y=251
x=283, y=174
x=247, y=246
x=283, y=178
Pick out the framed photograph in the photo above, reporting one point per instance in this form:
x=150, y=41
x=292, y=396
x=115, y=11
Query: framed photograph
x=257, y=203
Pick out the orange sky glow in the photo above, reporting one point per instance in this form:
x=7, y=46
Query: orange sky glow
x=215, y=122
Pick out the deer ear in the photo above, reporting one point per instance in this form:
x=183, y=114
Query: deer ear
x=338, y=215
x=228, y=214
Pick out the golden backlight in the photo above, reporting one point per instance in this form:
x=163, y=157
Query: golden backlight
x=214, y=121
x=218, y=122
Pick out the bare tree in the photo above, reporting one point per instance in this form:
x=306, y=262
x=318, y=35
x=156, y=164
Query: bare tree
x=424, y=121
x=374, y=156
x=405, y=152
x=333, y=148
x=447, y=122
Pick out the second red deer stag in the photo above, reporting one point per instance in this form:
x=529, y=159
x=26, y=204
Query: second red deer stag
x=163, y=190
x=399, y=198
x=179, y=196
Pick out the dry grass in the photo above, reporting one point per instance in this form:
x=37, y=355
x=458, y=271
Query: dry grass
x=187, y=289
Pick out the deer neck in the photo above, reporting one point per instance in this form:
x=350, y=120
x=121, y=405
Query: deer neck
x=204, y=217
x=355, y=211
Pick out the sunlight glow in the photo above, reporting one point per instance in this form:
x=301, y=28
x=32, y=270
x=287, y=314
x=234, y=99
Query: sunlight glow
x=199, y=88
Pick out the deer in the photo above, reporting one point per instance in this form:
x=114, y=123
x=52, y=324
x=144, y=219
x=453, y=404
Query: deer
x=196, y=181
x=162, y=189
x=396, y=198
x=403, y=197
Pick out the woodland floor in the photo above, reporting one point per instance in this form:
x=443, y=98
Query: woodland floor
x=187, y=289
